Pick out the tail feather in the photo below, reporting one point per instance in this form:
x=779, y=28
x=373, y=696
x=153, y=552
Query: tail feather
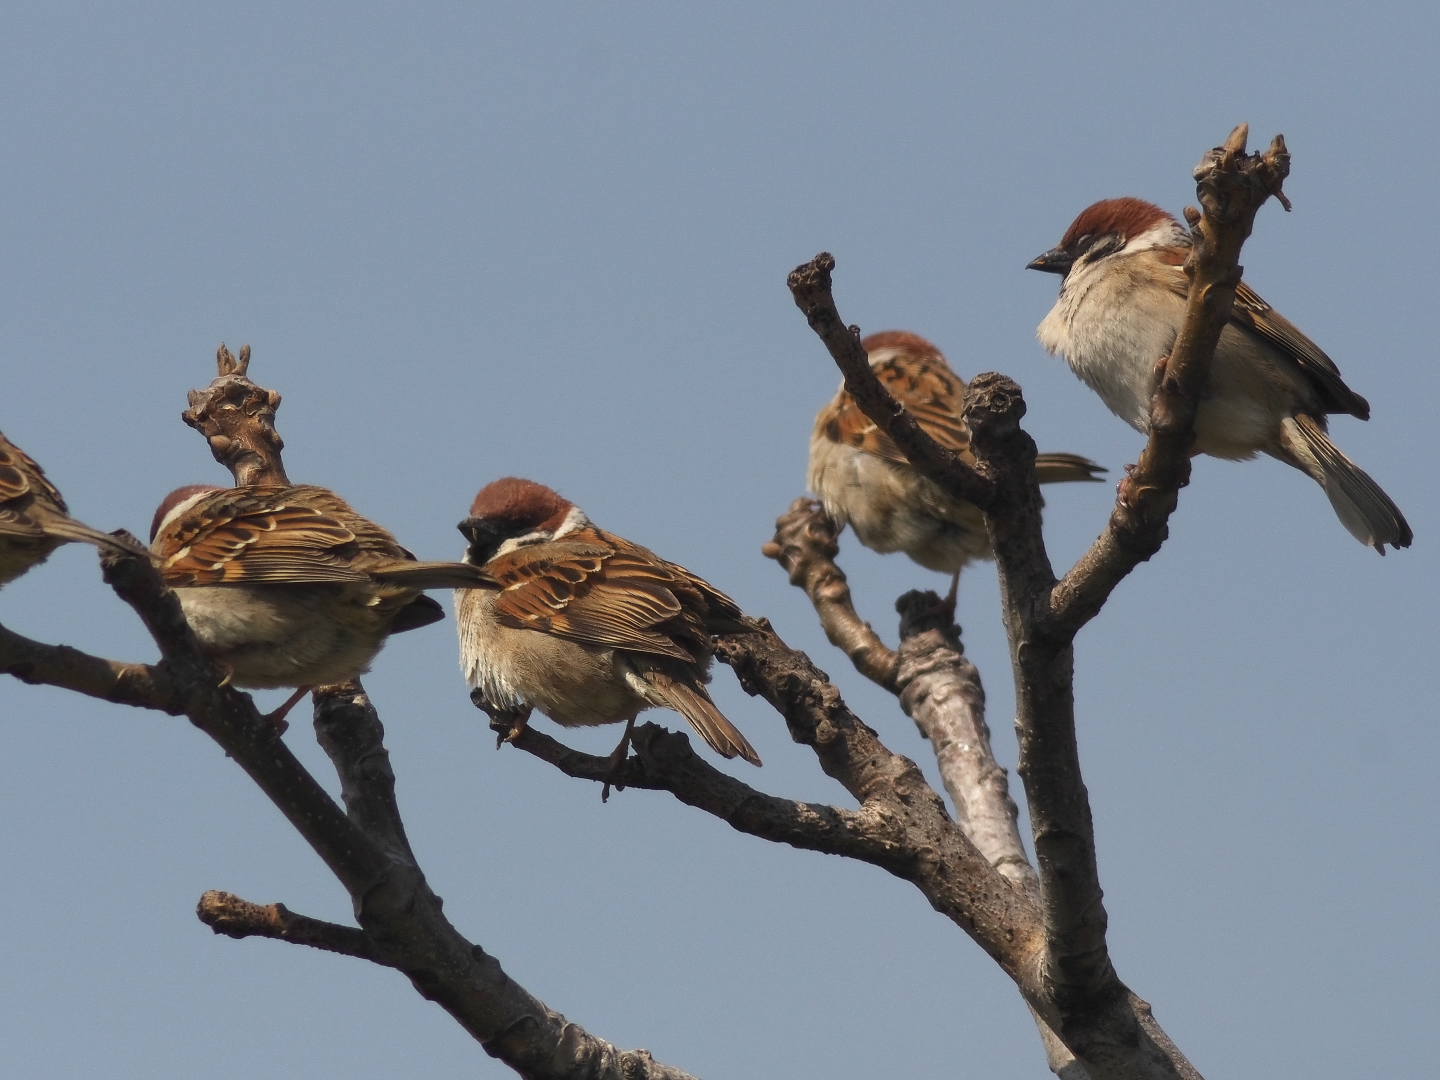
x=437, y=575
x=1362, y=507
x=421, y=611
x=691, y=702
x=67, y=528
x=1059, y=468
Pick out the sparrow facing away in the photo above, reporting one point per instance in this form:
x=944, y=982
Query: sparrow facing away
x=34, y=520
x=583, y=624
x=288, y=585
x=1121, y=307
x=864, y=480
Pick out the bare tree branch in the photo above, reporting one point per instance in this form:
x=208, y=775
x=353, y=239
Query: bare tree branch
x=1109, y=1028
x=237, y=419
x=664, y=760
x=936, y=856
x=975, y=872
x=805, y=545
x=228, y=914
x=139, y=685
x=810, y=288
x=939, y=688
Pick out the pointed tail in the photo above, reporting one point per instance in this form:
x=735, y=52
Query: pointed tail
x=1362, y=507
x=1059, y=468
x=437, y=575
x=690, y=701
x=68, y=529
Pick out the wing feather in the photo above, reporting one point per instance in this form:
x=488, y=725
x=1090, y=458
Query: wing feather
x=1253, y=315
x=929, y=390
x=282, y=540
x=612, y=594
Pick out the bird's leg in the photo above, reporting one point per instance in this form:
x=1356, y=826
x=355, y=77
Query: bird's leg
x=507, y=723
x=277, y=718
x=617, y=762
x=952, y=596
x=1160, y=366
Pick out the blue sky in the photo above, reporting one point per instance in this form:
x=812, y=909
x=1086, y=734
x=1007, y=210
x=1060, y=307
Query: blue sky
x=552, y=241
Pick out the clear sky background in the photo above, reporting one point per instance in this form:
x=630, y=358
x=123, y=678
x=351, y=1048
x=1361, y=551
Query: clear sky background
x=552, y=241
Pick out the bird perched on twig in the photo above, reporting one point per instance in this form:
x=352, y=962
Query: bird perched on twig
x=1121, y=306
x=583, y=624
x=864, y=481
x=34, y=520
x=289, y=586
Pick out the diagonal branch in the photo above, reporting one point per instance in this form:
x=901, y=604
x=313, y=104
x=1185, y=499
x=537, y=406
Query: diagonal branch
x=805, y=545
x=810, y=288
x=939, y=688
x=665, y=761
x=139, y=685
x=937, y=857
x=228, y=914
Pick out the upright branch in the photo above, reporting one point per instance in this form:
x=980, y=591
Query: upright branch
x=1079, y=994
x=237, y=418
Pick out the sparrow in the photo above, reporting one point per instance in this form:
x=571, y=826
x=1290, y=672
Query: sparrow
x=287, y=586
x=34, y=520
x=1121, y=306
x=584, y=625
x=864, y=481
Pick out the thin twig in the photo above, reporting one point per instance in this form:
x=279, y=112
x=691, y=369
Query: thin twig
x=806, y=544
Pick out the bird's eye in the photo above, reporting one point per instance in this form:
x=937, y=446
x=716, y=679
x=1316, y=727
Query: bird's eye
x=1084, y=242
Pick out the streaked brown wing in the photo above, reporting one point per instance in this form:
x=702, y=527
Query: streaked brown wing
x=264, y=535
x=22, y=479
x=1255, y=315
x=621, y=596
x=924, y=383
x=720, y=611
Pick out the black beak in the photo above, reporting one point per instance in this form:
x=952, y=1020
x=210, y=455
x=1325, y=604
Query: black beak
x=1055, y=261
x=483, y=537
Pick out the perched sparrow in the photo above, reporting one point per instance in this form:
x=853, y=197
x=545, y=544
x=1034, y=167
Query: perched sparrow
x=1121, y=306
x=33, y=518
x=584, y=625
x=866, y=482
x=289, y=586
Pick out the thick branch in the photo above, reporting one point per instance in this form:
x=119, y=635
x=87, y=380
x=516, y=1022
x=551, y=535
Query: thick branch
x=230, y=718
x=349, y=731
x=810, y=287
x=70, y=669
x=939, y=688
x=665, y=761
x=942, y=863
x=805, y=545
